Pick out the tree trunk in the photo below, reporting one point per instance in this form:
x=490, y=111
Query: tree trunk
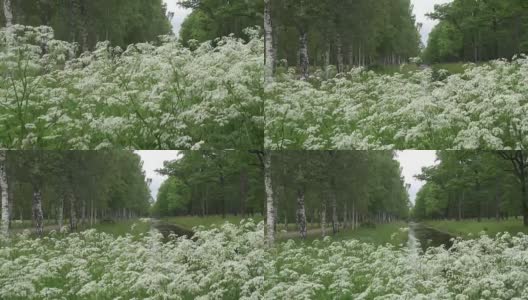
x=60, y=213
x=270, y=205
x=335, y=221
x=8, y=13
x=222, y=195
x=243, y=191
x=339, y=46
x=303, y=54
x=4, y=194
x=269, y=45
x=36, y=208
x=345, y=218
x=327, y=60
x=323, y=219
x=73, y=212
x=301, y=212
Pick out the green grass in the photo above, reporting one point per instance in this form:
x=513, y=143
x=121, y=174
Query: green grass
x=188, y=222
x=381, y=234
x=121, y=228
x=473, y=227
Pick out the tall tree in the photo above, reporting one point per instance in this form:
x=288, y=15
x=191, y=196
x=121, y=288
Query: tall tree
x=4, y=227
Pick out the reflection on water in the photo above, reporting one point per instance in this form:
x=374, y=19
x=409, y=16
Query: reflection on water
x=426, y=237
x=168, y=229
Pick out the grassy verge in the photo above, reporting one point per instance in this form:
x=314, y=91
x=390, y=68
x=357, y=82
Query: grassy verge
x=188, y=222
x=472, y=228
x=134, y=227
x=381, y=234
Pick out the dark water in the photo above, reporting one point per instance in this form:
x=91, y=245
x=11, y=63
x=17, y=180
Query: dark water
x=167, y=229
x=429, y=237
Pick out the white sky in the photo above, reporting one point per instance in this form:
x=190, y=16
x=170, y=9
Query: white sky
x=412, y=162
x=179, y=14
x=421, y=7
x=153, y=160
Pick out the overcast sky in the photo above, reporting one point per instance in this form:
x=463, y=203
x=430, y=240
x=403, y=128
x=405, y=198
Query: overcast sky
x=412, y=162
x=153, y=160
x=179, y=14
x=421, y=7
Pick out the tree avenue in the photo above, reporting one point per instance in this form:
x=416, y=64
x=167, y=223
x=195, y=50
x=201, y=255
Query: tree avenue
x=474, y=185
x=204, y=183
x=337, y=190
x=83, y=187
x=347, y=33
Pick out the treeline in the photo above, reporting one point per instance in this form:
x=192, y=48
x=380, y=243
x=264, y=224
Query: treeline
x=478, y=31
x=340, y=188
x=90, y=21
x=211, y=19
x=474, y=185
x=205, y=183
x=81, y=186
x=342, y=33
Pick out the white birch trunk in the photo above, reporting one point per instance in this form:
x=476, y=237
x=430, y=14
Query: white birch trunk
x=269, y=45
x=339, y=46
x=8, y=13
x=270, y=205
x=61, y=213
x=304, y=61
x=323, y=219
x=4, y=194
x=73, y=212
x=38, y=216
x=301, y=213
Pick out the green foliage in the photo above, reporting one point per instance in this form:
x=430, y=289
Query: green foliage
x=478, y=31
x=210, y=19
x=469, y=184
x=211, y=183
x=360, y=32
x=87, y=22
x=106, y=182
x=365, y=184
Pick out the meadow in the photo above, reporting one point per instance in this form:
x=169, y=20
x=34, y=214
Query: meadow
x=232, y=262
x=470, y=107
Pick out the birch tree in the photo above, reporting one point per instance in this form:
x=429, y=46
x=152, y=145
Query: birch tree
x=8, y=13
x=269, y=44
x=4, y=227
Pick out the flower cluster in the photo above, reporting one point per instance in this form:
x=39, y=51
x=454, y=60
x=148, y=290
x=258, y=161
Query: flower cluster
x=485, y=268
x=148, y=96
x=222, y=263
x=485, y=107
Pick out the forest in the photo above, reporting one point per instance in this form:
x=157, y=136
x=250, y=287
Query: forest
x=311, y=34
x=474, y=185
x=203, y=183
x=71, y=189
x=338, y=189
x=88, y=22
x=478, y=31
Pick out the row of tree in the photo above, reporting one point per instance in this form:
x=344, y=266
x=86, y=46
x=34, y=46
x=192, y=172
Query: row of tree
x=122, y=22
x=202, y=183
x=476, y=31
x=347, y=188
x=82, y=186
x=341, y=33
x=474, y=184
x=211, y=19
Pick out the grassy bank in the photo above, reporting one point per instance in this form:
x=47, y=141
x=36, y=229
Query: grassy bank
x=188, y=222
x=472, y=228
x=381, y=234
